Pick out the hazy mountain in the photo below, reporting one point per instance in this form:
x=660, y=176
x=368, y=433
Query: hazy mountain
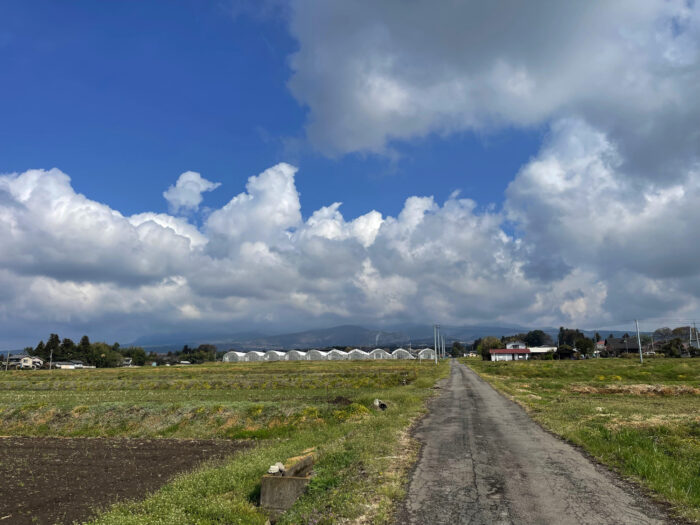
x=341, y=336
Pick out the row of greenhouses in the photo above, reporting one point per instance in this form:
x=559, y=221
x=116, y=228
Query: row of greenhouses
x=331, y=355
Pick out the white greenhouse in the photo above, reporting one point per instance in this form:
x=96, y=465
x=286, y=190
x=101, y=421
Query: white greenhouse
x=401, y=353
x=426, y=353
x=296, y=355
x=255, y=356
x=379, y=353
x=356, y=354
x=234, y=357
x=337, y=355
x=274, y=355
x=316, y=355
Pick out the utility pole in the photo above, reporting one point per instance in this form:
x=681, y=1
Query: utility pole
x=442, y=346
x=435, y=329
x=697, y=340
x=7, y=361
x=639, y=342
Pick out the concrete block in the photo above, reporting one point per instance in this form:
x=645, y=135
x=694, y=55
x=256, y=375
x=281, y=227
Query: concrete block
x=278, y=493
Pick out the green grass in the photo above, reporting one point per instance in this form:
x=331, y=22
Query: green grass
x=286, y=407
x=642, y=420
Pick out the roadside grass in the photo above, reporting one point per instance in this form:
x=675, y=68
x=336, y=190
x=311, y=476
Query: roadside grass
x=285, y=407
x=642, y=420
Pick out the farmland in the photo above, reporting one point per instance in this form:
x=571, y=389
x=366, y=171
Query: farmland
x=270, y=410
x=642, y=420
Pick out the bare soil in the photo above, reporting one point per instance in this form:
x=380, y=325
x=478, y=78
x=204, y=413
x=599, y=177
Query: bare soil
x=61, y=480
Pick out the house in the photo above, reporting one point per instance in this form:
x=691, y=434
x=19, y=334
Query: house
x=515, y=345
x=509, y=354
x=620, y=345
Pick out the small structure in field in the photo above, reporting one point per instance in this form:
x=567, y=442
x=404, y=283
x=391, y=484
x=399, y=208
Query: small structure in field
x=254, y=356
x=426, y=353
x=379, y=353
x=337, y=355
x=274, y=355
x=509, y=354
x=401, y=353
x=316, y=355
x=234, y=357
x=296, y=355
x=356, y=354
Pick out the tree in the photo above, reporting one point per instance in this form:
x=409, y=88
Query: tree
x=486, y=344
x=585, y=346
x=537, y=338
x=673, y=348
x=457, y=349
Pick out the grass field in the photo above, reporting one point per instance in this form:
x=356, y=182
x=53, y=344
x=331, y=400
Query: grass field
x=643, y=420
x=285, y=407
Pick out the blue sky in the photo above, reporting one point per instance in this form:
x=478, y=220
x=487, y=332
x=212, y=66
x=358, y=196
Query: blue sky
x=135, y=93
x=513, y=163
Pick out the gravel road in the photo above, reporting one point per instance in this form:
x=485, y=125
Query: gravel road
x=483, y=461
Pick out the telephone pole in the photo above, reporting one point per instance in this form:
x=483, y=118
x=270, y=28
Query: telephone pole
x=639, y=342
x=436, y=327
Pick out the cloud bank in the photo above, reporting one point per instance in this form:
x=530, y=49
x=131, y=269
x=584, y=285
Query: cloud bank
x=586, y=246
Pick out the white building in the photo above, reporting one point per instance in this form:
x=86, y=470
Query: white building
x=356, y=354
x=234, y=357
x=426, y=353
x=515, y=344
x=401, y=353
x=337, y=355
x=509, y=354
x=379, y=353
x=316, y=355
x=542, y=349
x=296, y=355
x=255, y=356
x=274, y=355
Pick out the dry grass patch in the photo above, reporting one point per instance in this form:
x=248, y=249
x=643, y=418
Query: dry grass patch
x=637, y=390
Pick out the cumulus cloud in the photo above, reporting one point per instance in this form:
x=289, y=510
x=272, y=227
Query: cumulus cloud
x=186, y=194
x=370, y=73
x=590, y=247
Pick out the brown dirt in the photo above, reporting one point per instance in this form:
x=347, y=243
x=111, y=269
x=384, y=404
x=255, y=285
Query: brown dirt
x=61, y=480
x=341, y=401
x=638, y=390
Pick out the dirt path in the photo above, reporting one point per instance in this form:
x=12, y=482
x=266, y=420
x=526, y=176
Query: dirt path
x=62, y=480
x=484, y=461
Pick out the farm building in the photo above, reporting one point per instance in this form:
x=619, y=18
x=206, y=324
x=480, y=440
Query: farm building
x=356, y=354
x=426, y=353
x=316, y=355
x=401, y=353
x=509, y=354
x=379, y=353
x=337, y=355
x=296, y=355
x=274, y=355
x=255, y=356
x=234, y=357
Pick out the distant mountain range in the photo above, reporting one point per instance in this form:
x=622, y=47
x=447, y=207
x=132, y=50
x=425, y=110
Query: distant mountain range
x=339, y=336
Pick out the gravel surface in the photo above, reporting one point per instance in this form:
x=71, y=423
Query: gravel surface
x=483, y=461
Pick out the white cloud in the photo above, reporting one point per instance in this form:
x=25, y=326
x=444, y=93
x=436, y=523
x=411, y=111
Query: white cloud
x=370, y=73
x=186, y=194
x=590, y=246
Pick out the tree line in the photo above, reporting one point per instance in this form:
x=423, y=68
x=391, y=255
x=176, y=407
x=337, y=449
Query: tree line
x=104, y=355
